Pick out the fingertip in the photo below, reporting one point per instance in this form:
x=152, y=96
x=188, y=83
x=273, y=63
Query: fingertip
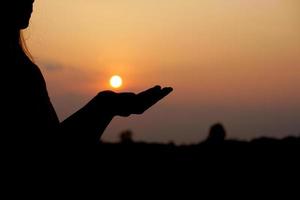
x=168, y=89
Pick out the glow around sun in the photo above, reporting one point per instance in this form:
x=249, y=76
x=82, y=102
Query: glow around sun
x=116, y=81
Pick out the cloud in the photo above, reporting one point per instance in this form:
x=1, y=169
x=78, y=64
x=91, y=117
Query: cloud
x=51, y=66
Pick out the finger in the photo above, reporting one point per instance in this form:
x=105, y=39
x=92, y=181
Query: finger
x=154, y=94
x=166, y=91
x=148, y=99
x=151, y=90
x=159, y=94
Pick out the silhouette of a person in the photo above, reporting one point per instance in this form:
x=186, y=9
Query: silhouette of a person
x=217, y=134
x=27, y=115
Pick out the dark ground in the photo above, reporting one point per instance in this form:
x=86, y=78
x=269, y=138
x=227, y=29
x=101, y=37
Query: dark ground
x=261, y=147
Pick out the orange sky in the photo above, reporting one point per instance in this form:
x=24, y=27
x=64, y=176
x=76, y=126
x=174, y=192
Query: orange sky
x=235, y=61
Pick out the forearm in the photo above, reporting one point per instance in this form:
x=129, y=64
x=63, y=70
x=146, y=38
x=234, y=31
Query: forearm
x=85, y=124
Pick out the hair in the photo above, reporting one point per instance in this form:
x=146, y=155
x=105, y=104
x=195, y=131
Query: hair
x=24, y=46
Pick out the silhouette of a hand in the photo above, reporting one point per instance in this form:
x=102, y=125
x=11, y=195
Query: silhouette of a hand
x=125, y=104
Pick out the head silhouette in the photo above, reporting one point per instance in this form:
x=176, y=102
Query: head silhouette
x=17, y=14
x=217, y=134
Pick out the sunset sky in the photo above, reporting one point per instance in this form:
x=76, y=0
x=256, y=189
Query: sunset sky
x=235, y=62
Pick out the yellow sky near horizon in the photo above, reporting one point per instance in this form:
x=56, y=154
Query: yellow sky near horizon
x=236, y=53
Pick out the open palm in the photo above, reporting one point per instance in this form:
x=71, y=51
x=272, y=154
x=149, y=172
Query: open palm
x=125, y=104
x=130, y=103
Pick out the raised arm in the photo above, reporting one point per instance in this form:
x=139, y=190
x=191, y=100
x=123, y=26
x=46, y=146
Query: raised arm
x=92, y=119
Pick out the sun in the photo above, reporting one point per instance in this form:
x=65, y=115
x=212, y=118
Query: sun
x=116, y=81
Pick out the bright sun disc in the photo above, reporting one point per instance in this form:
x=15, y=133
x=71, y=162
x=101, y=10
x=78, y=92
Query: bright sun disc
x=116, y=81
